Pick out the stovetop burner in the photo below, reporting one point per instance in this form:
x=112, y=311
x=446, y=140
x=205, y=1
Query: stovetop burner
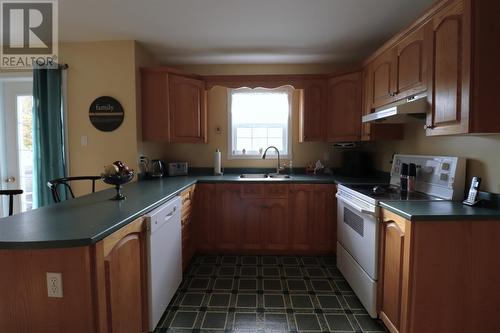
x=390, y=192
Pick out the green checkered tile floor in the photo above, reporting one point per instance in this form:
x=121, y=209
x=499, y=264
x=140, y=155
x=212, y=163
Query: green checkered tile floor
x=265, y=294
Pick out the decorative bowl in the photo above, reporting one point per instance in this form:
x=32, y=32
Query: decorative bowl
x=118, y=180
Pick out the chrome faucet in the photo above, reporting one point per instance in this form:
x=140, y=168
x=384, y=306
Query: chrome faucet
x=278, y=167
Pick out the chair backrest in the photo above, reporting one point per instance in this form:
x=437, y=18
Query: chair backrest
x=56, y=184
x=11, y=194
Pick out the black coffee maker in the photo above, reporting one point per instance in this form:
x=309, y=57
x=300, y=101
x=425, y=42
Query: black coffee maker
x=357, y=164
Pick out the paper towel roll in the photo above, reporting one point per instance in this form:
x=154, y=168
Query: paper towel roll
x=217, y=163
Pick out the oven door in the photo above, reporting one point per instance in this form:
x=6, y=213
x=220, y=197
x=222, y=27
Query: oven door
x=357, y=231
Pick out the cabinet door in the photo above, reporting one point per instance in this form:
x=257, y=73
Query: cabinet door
x=412, y=65
x=275, y=224
x=252, y=224
x=376, y=131
x=301, y=217
x=187, y=243
x=344, y=108
x=324, y=226
x=312, y=126
x=228, y=231
x=124, y=271
x=155, y=106
x=449, y=66
x=187, y=110
x=391, y=254
x=384, y=78
x=187, y=197
x=205, y=217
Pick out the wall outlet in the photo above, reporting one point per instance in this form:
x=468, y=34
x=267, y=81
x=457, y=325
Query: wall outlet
x=54, y=285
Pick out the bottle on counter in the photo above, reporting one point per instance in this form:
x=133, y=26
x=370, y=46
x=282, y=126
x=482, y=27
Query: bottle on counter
x=412, y=177
x=404, y=178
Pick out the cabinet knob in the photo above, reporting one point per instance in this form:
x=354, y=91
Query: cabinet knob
x=428, y=126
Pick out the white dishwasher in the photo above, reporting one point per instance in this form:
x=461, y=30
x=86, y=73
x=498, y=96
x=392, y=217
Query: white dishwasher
x=165, y=257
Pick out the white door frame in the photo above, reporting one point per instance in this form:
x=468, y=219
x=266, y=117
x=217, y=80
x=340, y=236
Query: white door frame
x=11, y=85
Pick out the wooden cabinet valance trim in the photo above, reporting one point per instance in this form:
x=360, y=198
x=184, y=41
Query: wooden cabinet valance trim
x=259, y=81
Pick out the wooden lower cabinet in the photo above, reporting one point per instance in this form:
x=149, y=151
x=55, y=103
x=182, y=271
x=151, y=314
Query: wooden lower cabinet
x=187, y=228
x=438, y=276
x=125, y=275
x=205, y=217
x=392, y=239
x=266, y=218
x=104, y=286
x=324, y=226
x=301, y=212
x=252, y=224
x=275, y=224
x=228, y=217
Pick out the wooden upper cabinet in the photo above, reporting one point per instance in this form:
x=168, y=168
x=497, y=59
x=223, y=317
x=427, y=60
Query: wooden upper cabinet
x=367, y=101
x=344, y=108
x=411, y=65
x=173, y=107
x=400, y=71
x=384, y=78
x=449, y=65
x=187, y=101
x=376, y=131
x=155, y=110
x=312, y=113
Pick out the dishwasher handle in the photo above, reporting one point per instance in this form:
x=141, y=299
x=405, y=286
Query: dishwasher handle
x=165, y=214
x=169, y=215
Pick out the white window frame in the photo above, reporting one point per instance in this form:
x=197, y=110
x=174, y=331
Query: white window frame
x=231, y=140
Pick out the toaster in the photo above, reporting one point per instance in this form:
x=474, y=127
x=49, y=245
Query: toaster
x=178, y=169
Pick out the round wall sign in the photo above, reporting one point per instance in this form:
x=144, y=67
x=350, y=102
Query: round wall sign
x=106, y=113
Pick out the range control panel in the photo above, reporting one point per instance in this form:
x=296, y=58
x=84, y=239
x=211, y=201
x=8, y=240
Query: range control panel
x=436, y=175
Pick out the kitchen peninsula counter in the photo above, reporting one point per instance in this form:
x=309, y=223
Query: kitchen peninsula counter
x=88, y=219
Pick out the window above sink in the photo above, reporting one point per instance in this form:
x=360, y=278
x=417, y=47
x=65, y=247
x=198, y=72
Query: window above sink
x=259, y=118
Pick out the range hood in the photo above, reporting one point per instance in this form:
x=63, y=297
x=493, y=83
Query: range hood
x=415, y=105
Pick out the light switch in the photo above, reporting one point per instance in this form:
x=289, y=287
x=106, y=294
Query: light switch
x=83, y=140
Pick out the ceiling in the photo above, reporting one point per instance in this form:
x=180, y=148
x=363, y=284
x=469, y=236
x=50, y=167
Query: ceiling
x=242, y=31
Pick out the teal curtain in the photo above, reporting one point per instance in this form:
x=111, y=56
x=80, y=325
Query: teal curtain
x=48, y=133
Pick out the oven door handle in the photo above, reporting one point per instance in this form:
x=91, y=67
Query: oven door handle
x=356, y=207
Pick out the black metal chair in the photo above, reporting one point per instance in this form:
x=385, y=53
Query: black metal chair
x=56, y=184
x=11, y=194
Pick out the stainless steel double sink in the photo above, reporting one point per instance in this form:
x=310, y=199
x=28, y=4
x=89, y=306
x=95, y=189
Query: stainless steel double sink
x=264, y=176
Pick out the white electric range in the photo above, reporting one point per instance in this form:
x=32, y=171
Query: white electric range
x=358, y=220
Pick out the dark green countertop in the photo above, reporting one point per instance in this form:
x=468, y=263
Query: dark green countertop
x=439, y=211
x=90, y=218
